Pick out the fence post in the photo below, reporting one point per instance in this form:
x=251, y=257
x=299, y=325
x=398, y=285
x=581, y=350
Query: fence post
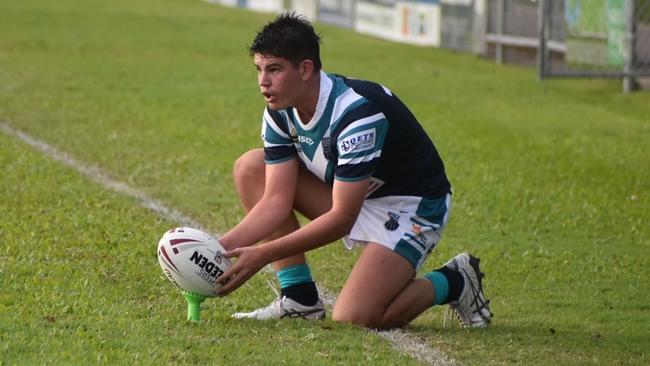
x=500, y=19
x=480, y=26
x=541, y=49
x=629, y=82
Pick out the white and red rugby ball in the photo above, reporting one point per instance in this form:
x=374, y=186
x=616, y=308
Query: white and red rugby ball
x=192, y=260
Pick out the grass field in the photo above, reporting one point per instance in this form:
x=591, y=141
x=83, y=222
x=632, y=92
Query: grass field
x=551, y=185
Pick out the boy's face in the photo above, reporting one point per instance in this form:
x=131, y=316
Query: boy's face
x=280, y=82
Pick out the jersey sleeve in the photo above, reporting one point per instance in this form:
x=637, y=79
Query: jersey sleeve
x=360, y=143
x=278, y=144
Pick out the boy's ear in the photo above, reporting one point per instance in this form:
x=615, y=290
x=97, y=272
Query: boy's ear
x=306, y=69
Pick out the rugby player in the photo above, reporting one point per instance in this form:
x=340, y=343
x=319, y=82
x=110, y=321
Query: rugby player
x=352, y=158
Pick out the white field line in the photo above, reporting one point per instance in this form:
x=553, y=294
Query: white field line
x=102, y=178
x=399, y=339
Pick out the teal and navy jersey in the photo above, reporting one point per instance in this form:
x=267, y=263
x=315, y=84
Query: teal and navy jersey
x=360, y=129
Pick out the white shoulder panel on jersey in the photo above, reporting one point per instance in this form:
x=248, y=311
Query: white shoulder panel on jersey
x=342, y=103
x=269, y=121
x=359, y=123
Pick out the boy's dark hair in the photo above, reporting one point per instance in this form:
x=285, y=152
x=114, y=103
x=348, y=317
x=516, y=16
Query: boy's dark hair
x=290, y=36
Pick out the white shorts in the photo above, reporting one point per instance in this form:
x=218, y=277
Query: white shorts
x=410, y=226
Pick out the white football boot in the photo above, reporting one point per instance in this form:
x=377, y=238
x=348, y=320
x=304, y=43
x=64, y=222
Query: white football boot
x=471, y=308
x=284, y=307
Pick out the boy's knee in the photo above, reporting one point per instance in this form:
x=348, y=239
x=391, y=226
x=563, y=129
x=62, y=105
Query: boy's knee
x=249, y=168
x=357, y=317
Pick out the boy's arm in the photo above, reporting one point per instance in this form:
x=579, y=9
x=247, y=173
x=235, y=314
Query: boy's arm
x=271, y=211
x=347, y=199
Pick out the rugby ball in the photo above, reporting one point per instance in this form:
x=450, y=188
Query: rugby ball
x=192, y=260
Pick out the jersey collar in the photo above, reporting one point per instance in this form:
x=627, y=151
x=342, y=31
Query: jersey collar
x=323, y=95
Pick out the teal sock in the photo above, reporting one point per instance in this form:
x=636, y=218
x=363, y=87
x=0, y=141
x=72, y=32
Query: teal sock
x=294, y=275
x=440, y=286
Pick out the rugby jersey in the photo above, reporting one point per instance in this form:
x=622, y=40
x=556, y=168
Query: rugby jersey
x=360, y=129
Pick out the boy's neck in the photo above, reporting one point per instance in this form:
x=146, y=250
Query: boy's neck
x=308, y=108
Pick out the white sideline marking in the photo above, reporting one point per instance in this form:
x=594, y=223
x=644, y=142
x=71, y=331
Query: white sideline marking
x=399, y=339
x=415, y=347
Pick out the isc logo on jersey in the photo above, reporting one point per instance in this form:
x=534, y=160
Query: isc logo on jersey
x=360, y=141
x=305, y=140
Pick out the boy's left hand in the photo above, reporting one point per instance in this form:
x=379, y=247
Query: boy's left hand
x=249, y=261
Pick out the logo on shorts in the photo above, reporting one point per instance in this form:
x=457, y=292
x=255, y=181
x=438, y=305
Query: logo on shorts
x=419, y=235
x=417, y=229
x=392, y=224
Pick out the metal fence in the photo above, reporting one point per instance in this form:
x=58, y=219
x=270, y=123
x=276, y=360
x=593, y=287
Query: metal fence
x=511, y=31
x=594, y=38
x=458, y=25
x=563, y=38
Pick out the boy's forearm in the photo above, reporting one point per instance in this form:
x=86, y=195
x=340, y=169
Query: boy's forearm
x=323, y=230
x=258, y=224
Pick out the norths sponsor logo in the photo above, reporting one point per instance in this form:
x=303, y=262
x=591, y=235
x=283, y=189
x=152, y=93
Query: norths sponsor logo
x=360, y=141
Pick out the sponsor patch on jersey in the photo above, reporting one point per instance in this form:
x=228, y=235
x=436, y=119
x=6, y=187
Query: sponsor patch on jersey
x=360, y=141
x=294, y=137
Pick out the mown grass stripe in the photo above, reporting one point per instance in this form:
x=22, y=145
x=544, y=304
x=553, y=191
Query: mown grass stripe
x=399, y=339
x=97, y=175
